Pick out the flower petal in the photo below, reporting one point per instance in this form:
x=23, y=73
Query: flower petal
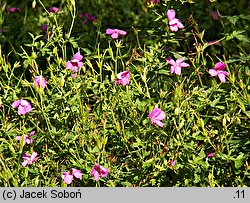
x=78, y=56
x=171, y=61
x=77, y=173
x=68, y=65
x=213, y=72
x=25, y=163
x=122, y=32
x=21, y=110
x=104, y=172
x=222, y=77
x=33, y=157
x=159, y=123
x=183, y=65
x=67, y=178
x=179, y=61
x=171, y=14
x=174, y=28
x=161, y=116
x=114, y=35
x=110, y=31
x=18, y=137
x=220, y=66
x=15, y=104
x=179, y=24
x=153, y=112
x=178, y=70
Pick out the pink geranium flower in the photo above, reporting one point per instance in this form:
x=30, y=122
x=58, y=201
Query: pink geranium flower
x=218, y=70
x=23, y=106
x=123, y=78
x=39, y=81
x=26, y=138
x=98, y=171
x=75, y=63
x=174, y=23
x=28, y=160
x=177, y=65
x=156, y=115
x=68, y=177
x=115, y=33
x=53, y=9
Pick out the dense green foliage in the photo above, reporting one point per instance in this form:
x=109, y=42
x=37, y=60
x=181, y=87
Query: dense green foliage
x=88, y=120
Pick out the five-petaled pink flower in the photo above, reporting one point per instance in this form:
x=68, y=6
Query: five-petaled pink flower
x=75, y=63
x=26, y=138
x=29, y=159
x=156, y=115
x=98, y=171
x=115, y=33
x=39, y=81
x=68, y=177
x=23, y=106
x=219, y=71
x=174, y=23
x=53, y=9
x=176, y=66
x=123, y=78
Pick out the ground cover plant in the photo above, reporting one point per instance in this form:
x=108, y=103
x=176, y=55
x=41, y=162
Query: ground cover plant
x=124, y=93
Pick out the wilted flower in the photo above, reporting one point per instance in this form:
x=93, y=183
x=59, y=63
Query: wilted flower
x=80, y=15
x=74, y=75
x=219, y=71
x=28, y=160
x=215, y=42
x=215, y=15
x=174, y=23
x=88, y=17
x=123, y=78
x=53, y=9
x=75, y=63
x=15, y=10
x=115, y=33
x=156, y=115
x=26, y=138
x=68, y=177
x=44, y=28
x=172, y=162
x=2, y=30
x=210, y=155
x=39, y=81
x=176, y=66
x=98, y=171
x=23, y=106
x=153, y=2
